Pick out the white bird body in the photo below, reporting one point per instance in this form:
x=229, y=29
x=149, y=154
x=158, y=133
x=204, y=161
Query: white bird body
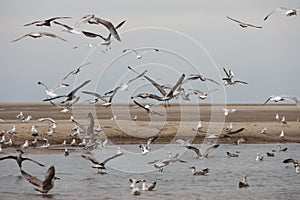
x=34, y=131
x=281, y=134
x=27, y=119
x=258, y=157
x=264, y=130
x=25, y=145
x=13, y=130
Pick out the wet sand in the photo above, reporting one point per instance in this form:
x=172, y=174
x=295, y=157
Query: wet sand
x=177, y=122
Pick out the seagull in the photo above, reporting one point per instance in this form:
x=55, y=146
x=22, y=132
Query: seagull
x=133, y=182
x=228, y=110
x=98, y=165
x=202, y=95
x=46, y=22
x=281, y=134
x=146, y=148
x=34, y=142
x=147, y=108
x=108, y=25
x=106, y=102
x=244, y=182
x=201, y=172
x=25, y=145
x=138, y=55
x=165, y=96
x=20, y=116
x=199, y=126
x=229, y=154
x=46, y=119
x=90, y=46
x=27, y=119
x=287, y=11
x=46, y=144
x=200, y=77
x=20, y=159
x=135, y=191
x=43, y=186
x=73, y=142
x=13, y=130
x=229, y=79
x=77, y=70
x=264, y=130
x=259, y=158
x=38, y=35
x=67, y=28
x=159, y=164
x=208, y=150
x=228, y=128
x=280, y=148
x=50, y=91
x=66, y=152
x=270, y=154
x=34, y=131
x=276, y=99
x=71, y=95
x=146, y=187
x=291, y=160
x=243, y=24
x=8, y=143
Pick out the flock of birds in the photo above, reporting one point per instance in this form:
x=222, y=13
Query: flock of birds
x=166, y=92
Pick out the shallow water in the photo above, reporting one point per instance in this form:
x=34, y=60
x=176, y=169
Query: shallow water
x=268, y=179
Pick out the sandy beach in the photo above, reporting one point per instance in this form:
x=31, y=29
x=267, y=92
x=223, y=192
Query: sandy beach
x=177, y=122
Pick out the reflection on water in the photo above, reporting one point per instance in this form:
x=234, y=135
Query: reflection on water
x=269, y=179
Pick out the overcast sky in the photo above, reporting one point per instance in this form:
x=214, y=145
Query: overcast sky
x=193, y=36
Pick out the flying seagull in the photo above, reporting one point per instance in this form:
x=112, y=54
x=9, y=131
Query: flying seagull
x=77, y=70
x=287, y=11
x=108, y=25
x=43, y=186
x=200, y=77
x=147, y=108
x=243, y=24
x=71, y=95
x=20, y=159
x=50, y=91
x=208, y=150
x=65, y=109
x=229, y=79
x=105, y=103
x=139, y=55
x=146, y=148
x=67, y=28
x=40, y=34
x=100, y=165
x=46, y=22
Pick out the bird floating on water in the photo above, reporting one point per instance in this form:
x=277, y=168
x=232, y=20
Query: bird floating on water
x=244, y=183
x=201, y=172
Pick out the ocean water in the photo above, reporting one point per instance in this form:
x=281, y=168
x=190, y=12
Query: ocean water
x=268, y=179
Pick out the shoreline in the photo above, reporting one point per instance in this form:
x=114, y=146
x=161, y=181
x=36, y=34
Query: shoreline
x=173, y=126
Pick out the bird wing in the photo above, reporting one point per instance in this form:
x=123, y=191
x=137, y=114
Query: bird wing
x=21, y=37
x=267, y=100
x=212, y=80
x=31, y=23
x=241, y=82
x=235, y=20
x=96, y=95
x=151, y=140
x=32, y=179
x=112, y=157
x=278, y=9
x=227, y=74
x=59, y=86
x=50, y=99
x=178, y=83
x=53, y=36
x=140, y=105
x=139, y=76
x=110, y=27
x=68, y=75
x=253, y=25
x=76, y=89
x=46, y=119
x=92, y=35
x=196, y=150
x=236, y=131
x=120, y=24
x=8, y=157
x=85, y=64
x=93, y=160
x=49, y=176
x=209, y=149
x=64, y=25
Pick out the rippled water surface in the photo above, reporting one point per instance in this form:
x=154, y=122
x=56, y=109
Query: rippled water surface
x=268, y=179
